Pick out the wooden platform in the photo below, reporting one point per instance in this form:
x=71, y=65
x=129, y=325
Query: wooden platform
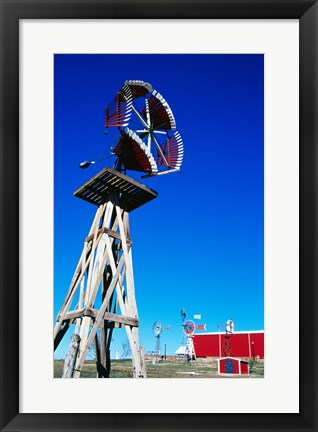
x=99, y=188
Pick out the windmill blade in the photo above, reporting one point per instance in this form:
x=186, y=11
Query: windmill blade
x=134, y=154
x=172, y=150
x=160, y=112
x=159, y=173
x=138, y=88
x=118, y=112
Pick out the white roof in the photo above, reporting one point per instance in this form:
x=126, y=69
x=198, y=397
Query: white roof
x=181, y=350
x=233, y=358
x=236, y=332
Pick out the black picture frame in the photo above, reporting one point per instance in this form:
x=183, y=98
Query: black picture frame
x=11, y=12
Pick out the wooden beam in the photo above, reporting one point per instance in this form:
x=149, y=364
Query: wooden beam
x=110, y=232
x=143, y=363
x=132, y=308
x=108, y=316
x=69, y=361
x=60, y=334
x=133, y=322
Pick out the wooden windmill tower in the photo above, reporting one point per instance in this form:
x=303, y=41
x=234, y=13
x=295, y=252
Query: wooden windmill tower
x=101, y=296
x=105, y=269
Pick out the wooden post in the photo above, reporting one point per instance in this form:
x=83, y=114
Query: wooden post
x=143, y=363
x=70, y=359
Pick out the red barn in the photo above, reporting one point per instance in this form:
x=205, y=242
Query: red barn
x=239, y=344
x=232, y=365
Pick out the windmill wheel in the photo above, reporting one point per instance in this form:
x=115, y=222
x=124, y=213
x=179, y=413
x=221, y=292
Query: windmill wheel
x=147, y=136
x=157, y=328
x=189, y=327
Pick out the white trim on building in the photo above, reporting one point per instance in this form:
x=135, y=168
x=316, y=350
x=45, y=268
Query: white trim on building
x=222, y=333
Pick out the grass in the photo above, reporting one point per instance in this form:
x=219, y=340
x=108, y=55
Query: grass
x=169, y=368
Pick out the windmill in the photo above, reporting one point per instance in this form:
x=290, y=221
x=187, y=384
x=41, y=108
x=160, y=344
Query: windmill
x=229, y=326
x=229, y=329
x=183, y=318
x=189, y=328
x=101, y=295
x=157, y=329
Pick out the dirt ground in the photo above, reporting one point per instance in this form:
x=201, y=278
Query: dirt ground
x=169, y=368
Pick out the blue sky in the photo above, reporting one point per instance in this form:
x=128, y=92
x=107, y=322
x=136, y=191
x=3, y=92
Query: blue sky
x=200, y=244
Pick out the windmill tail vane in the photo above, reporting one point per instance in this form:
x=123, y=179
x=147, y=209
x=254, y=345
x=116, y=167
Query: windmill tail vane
x=200, y=327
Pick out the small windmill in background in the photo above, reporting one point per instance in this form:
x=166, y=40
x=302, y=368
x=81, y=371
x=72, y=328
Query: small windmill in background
x=157, y=329
x=229, y=329
x=183, y=318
